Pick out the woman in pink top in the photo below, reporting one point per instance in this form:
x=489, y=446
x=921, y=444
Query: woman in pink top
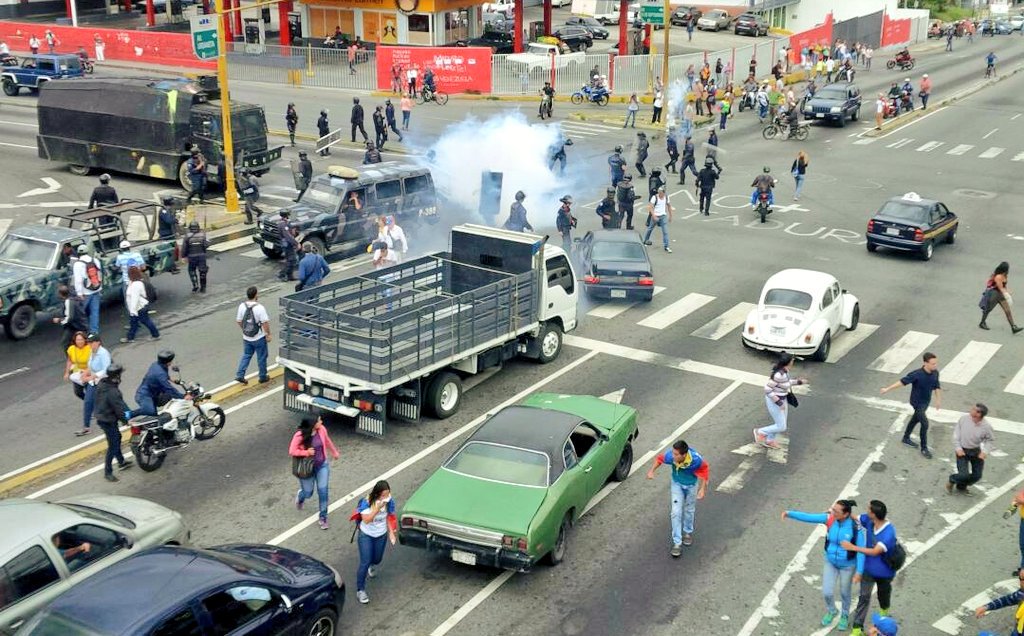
x=312, y=440
x=406, y=106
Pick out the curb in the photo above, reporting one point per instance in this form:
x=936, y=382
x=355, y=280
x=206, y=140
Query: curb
x=314, y=139
x=94, y=448
x=697, y=121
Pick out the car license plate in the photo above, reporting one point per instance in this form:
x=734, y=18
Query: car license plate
x=819, y=115
x=467, y=558
x=331, y=394
x=778, y=331
x=892, y=231
x=268, y=244
x=618, y=293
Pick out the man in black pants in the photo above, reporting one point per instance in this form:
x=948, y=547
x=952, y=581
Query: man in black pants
x=924, y=382
x=706, y=179
x=357, y=120
x=972, y=441
x=111, y=409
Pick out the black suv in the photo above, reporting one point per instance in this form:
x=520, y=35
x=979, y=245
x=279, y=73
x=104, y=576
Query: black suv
x=750, y=24
x=597, y=31
x=834, y=103
x=577, y=38
x=498, y=41
x=682, y=15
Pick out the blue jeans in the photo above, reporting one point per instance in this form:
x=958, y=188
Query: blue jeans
x=630, y=119
x=371, y=552
x=684, y=508
x=91, y=306
x=662, y=222
x=771, y=197
x=142, y=319
x=258, y=347
x=828, y=583
x=321, y=477
x=799, y=184
x=778, y=414
x=147, y=405
x=88, y=404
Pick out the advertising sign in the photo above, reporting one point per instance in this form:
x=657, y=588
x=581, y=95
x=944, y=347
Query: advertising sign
x=456, y=69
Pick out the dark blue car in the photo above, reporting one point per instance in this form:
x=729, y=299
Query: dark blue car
x=173, y=591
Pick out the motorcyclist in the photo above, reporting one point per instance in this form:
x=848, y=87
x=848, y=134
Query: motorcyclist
x=610, y=219
x=557, y=153
x=602, y=85
x=626, y=196
x=156, y=388
x=792, y=118
x=617, y=165
x=517, y=215
x=763, y=183
x=547, y=100
x=847, y=70
x=194, y=249
x=894, y=97
x=907, y=95
x=903, y=55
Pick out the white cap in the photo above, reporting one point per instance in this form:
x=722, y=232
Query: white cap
x=906, y=79
x=925, y=75
x=124, y=245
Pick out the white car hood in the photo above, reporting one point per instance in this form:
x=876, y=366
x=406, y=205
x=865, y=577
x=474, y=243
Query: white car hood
x=779, y=326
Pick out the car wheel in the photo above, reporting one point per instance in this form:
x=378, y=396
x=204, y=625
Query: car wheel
x=951, y=236
x=318, y=244
x=183, y=179
x=871, y=247
x=323, y=624
x=550, y=341
x=624, y=465
x=856, y=115
x=842, y=120
x=21, y=322
x=444, y=394
x=855, y=318
x=926, y=252
x=10, y=88
x=821, y=355
x=557, y=554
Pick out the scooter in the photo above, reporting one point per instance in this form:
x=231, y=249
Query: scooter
x=177, y=423
x=597, y=96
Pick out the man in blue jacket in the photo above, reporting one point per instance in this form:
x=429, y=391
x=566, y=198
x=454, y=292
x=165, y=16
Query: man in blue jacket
x=690, y=475
x=156, y=388
x=312, y=268
x=877, y=538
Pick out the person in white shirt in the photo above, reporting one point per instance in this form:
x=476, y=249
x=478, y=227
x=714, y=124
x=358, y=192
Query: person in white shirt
x=383, y=258
x=410, y=76
x=89, y=293
x=660, y=211
x=395, y=237
x=4, y=49
x=135, y=301
x=254, y=322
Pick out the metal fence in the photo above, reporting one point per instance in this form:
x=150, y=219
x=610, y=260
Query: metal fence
x=306, y=66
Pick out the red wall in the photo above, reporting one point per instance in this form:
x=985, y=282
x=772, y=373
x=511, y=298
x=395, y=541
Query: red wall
x=151, y=47
x=894, y=31
x=456, y=69
x=821, y=34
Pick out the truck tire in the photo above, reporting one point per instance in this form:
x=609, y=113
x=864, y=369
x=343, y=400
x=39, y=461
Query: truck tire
x=444, y=394
x=318, y=244
x=79, y=170
x=183, y=179
x=549, y=342
x=10, y=88
x=21, y=322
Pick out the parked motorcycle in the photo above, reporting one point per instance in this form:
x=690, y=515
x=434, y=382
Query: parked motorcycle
x=175, y=426
x=597, y=96
x=904, y=63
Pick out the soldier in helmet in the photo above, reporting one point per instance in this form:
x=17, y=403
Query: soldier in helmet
x=642, y=146
x=249, y=188
x=626, y=196
x=196, y=168
x=103, y=194
x=565, y=222
x=610, y=219
x=291, y=119
x=517, y=215
x=617, y=165
x=305, y=174
x=288, y=245
x=654, y=182
x=556, y=154
x=706, y=179
x=372, y=155
x=167, y=224
x=324, y=128
x=194, y=249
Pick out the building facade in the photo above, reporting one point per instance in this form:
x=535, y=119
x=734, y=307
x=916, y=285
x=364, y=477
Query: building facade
x=416, y=22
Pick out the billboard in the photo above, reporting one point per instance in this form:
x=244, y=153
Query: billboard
x=456, y=69
x=895, y=31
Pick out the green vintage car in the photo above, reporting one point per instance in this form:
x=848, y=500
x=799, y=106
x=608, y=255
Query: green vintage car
x=509, y=495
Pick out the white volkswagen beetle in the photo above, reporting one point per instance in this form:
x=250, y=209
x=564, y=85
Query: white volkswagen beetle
x=800, y=311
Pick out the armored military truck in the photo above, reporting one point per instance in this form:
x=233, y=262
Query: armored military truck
x=36, y=258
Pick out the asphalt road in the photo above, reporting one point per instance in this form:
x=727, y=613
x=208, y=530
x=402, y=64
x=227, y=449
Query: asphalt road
x=748, y=572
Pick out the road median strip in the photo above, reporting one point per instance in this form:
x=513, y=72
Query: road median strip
x=95, y=448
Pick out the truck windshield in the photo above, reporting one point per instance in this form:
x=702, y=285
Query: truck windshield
x=26, y=252
x=324, y=194
x=248, y=124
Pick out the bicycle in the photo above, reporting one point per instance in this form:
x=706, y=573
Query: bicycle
x=990, y=71
x=427, y=95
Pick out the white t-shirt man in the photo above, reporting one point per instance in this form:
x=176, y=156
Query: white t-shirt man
x=259, y=312
x=659, y=206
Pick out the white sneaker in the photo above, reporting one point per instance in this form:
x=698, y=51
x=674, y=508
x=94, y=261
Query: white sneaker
x=363, y=597
x=371, y=572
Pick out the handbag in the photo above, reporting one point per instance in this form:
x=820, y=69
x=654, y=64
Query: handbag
x=791, y=400
x=302, y=467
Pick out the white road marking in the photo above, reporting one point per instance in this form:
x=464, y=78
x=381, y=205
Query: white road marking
x=951, y=624
x=962, y=369
x=3, y=143
x=850, y=339
x=909, y=124
x=454, y=435
x=755, y=455
x=17, y=123
x=667, y=316
x=905, y=351
x=52, y=185
x=990, y=133
x=9, y=374
x=770, y=603
x=615, y=396
x=865, y=141
x=44, y=204
x=500, y=580
x=1016, y=385
x=614, y=309
x=959, y=149
x=256, y=253
x=4, y=224
x=233, y=244
x=738, y=478
x=902, y=142
x=588, y=125
x=1015, y=117
x=991, y=153
x=945, y=416
x=930, y=146
x=1018, y=157
x=725, y=323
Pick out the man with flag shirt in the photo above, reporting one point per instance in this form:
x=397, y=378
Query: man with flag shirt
x=1011, y=599
x=690, y=474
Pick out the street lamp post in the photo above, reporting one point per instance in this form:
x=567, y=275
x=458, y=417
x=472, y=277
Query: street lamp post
x=230, y=193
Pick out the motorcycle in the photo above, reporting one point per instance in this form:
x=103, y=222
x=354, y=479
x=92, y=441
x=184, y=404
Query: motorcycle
x=763, y=210
x=175, y=426
x=778, y=127
x=597, y=96
x=545, y=107
x=904, y=63
x=846, y=73
x=87, y=65
x=890, y=108
x=747, y=100
x=6, y=59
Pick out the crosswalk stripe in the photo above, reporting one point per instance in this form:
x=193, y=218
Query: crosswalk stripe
x=1018, y=157
x=850, y=339
x=959, y=149
x=928, y=147
x=900, y=143
x=4, y=224
x=233, y=244
x=1016, y=385
x=865, y=141
x=676, y=311
x=725, y=323
x=585, y=133
x=612, y=310
x=991, y=153
x=962, y=369
x=256, y=253
x=585, y=125
x=903, y=353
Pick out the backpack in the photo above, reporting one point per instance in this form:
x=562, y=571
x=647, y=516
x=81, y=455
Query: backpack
x=93, y=277
x=250, y=326
x=895, y=558
x=150, y=289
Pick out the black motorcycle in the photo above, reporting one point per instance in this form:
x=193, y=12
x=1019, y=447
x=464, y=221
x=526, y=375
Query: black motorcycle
x=6, y=59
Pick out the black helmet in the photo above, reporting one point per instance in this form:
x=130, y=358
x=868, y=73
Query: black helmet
x=655, y=172
x=611, y=190
x=520, y=195
x=114, y=372
x=302, y=153
x=167, y=199
x=566, y=199
x=641, y=134
x=165, y=357
x=355, y=100
x=370, y=146
x=766, y=169
x=193, y=226
x=323, y=112
x=618, y=148
x=708, y=161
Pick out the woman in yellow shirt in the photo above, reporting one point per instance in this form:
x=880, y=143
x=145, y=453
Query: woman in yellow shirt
x=78, y=362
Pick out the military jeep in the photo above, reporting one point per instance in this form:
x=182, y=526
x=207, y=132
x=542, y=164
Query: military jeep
x=36, y=70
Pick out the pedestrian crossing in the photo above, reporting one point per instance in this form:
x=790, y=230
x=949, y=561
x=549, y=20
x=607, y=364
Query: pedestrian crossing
x=936, y=147
x=4, y=224
x=959, y=368
x=585, y=128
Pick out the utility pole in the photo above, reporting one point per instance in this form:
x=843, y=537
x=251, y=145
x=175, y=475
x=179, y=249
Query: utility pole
x=665, y=25
x=230, y=193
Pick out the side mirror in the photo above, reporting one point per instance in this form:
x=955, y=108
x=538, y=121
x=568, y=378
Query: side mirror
x=286, y=602
x=126, y=542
